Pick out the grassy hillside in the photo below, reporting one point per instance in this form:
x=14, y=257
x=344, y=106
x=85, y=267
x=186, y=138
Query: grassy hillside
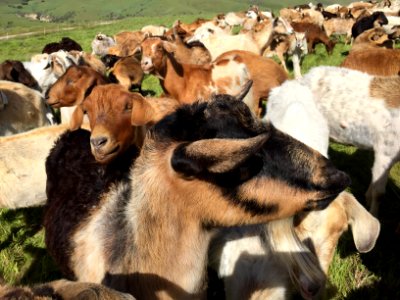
x=63, y=13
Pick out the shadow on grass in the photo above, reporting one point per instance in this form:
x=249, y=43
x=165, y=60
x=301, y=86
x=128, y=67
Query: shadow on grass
x=20, y=218
x=384, y=259
x=24, y=229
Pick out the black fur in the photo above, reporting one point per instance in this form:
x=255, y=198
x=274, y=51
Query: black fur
x=367, y=22
x=66, y=44
x=75, y=182
x=109, y=60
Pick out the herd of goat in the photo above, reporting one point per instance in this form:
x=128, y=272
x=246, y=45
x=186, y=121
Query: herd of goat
x=143, y=194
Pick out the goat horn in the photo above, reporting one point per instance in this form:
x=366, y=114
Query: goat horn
x=244, y=90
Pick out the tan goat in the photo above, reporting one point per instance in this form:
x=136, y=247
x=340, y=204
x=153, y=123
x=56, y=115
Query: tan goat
x=22, y=108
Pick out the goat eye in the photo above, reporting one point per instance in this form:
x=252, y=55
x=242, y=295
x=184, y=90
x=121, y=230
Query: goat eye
x=69, y=81
x=128, y=107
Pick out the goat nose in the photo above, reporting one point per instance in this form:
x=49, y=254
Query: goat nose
x=313, y=290
x=98, y=142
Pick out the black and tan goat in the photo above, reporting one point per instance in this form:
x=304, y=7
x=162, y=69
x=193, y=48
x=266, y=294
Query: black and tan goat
x=207, y=164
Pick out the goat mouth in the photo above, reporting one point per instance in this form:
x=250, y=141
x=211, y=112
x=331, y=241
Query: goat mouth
x=147, y=70
x=55, y=103
x=106, y=157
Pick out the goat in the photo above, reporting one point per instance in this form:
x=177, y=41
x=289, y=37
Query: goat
x=66, y=44
x=154, y=30
x=47, y=68
x=188, y=83
x=314, y=35
x=71, y=89
x=24, y=108
x=109, y=108
x=63, y=290
x=371, y=38
x=368, y=56
x=377, y=19
x=370, y=120
x=194, y=53
x=339, y=26
x=127, y=72
x=264, y=72
x=283, y=45
x=14, y=70
x=168, y=195
x=22, y=166
x=254, y=41
x=244, y=257
x=88, y=59
x=101, y=43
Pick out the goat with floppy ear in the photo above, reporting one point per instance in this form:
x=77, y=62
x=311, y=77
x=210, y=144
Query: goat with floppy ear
x=111, y=111
x=205, y=165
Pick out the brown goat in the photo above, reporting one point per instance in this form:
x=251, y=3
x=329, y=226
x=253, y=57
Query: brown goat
x=109, y=109
x=371, y=38
x=22, y=108
x=314, y=35
x=188, y=83
x=127, y=72
x=72, y=87
x=14, y=70
x=265, y=73
x=376, y=61
x=194, y=53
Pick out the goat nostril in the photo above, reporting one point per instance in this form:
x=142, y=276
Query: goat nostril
x=98, y=142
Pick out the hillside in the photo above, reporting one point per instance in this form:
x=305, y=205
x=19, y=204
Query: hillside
x=24, y=15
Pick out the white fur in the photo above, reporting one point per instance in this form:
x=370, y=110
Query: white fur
x=354, y=117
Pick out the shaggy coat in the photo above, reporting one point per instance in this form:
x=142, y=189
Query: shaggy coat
x=149, y=234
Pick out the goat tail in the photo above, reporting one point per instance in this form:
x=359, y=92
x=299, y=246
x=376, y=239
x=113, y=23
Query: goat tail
x=302, y=264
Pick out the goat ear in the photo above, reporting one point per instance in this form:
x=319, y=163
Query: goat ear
x=246, y=88
x=76, y=118
x=364, y=226
x=169, y=47
x=214, y=155
x=142, y=112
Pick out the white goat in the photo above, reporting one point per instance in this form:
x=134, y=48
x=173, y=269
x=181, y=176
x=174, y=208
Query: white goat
x=253, y=41
x=361, y=110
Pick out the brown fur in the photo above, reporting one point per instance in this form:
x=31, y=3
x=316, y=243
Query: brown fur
x=387, y=89
x=377, y=61
x=128, y=72
x=371, y=38
x=265, y=73
x=71, y=87
x=24, y=110
x=110, y=109
x=339, y=26
x=314, y=35
x=184, y=82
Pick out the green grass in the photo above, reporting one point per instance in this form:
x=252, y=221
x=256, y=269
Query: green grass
x=375, y=275
x=77, y=12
